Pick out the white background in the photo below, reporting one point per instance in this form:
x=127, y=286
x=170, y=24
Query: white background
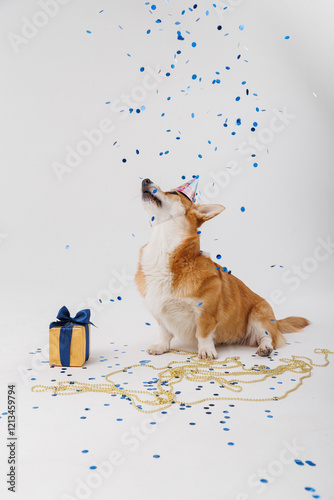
x=57, y=84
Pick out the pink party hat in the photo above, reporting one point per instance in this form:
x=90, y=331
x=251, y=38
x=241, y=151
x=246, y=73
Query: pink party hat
x=189, y=188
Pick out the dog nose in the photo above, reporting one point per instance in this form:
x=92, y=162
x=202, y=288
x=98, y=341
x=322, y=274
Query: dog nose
x=146, y=182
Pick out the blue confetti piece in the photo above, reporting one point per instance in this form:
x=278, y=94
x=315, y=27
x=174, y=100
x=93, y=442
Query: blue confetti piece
x=287, y=37
x=67, y=247
x=84, y=451
x=263, y=480
x=156, y=456
x=241, y=27
x=194, y=77
x=242, y=209
x=308, y=462
x=299, y=462
x=200, y=303
x=93, y=467
x=194, y=44
x=87, y=31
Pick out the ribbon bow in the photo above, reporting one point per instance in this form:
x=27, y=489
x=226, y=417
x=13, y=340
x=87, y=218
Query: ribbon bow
x=64, y=318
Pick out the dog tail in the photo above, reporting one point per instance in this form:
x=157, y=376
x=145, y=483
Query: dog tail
x=292, y=324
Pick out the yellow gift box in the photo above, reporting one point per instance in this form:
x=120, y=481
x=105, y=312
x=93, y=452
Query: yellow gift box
x=69, y=339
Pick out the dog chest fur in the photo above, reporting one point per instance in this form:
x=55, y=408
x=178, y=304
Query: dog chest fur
x=177, y=314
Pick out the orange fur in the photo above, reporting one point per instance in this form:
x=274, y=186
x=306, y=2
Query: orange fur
x=292, y=324
x=140, y=277
x=229, y=308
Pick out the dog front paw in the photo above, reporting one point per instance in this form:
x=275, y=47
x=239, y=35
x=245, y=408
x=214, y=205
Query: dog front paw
x=207, y=353
x=265, y=350
x=157, y=349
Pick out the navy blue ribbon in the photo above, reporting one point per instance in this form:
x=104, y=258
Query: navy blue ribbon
x=65, y=336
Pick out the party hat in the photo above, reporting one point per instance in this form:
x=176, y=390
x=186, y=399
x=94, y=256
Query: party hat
x=189, y=188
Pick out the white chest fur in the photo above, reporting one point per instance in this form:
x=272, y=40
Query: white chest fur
x=177, y=314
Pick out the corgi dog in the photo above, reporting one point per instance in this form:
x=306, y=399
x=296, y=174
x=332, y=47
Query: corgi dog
x=189, y=295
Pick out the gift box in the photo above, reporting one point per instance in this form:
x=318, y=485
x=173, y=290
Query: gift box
x=69, y=338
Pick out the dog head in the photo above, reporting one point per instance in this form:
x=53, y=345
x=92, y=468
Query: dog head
x=174, y=205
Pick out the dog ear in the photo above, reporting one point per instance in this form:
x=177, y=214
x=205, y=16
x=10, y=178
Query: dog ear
x=208, y=211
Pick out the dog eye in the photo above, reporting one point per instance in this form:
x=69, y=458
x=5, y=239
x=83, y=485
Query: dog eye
x=174, y=192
